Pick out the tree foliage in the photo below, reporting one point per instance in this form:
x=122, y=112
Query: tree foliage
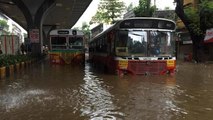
x=130, y=7
x=206, y=13
x=85, y=28
x=194, y=19
x=144, y=9
x=108, y=11
x=197, y=19
x=4, y=25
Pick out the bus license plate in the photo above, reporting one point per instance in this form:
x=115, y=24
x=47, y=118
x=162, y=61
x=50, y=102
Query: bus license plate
x=123, y=64
x=170, y=63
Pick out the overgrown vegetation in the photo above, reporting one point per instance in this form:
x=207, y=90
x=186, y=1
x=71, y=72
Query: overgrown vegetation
x=144, y=9
x=6, y=60
x=108, y=11
x=197, y=19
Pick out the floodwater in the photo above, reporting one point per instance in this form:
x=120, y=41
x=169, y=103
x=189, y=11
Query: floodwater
x=54, y=92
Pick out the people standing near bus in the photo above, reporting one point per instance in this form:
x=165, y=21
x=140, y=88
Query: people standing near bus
x=45, y=49
x=22, y=48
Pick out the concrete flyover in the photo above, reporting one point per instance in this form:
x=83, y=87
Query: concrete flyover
x=38, y=17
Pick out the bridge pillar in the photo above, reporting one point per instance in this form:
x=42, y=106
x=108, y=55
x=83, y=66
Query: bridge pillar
x=34, y=23
x=35, y=40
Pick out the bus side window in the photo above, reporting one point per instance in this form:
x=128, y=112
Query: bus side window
x=123, y=37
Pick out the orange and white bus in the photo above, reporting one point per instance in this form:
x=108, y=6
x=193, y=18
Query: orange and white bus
x=141, y=45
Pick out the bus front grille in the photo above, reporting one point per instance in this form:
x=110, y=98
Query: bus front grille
x=147, y=67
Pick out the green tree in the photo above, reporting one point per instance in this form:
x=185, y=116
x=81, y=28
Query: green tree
x=129, y=8
x=197, y=20
x=86, y=30
x=108, y=11
x=4, y=25
x=144, y=9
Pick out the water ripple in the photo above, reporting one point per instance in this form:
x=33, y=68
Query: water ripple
x=97, y=102
x=13, y=100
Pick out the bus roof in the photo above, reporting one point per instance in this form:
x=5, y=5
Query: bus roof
x=136, y=18
x=66, y=32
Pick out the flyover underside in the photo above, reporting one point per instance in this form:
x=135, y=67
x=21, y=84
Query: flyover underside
x=31, y=14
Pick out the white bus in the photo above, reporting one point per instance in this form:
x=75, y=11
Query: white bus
x=66, y=46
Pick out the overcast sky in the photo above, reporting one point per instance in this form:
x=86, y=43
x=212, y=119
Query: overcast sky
x=91, y=10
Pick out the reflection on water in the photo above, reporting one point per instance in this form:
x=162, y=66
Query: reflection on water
x=53, y=92
x=97, y=102
x=150, y=97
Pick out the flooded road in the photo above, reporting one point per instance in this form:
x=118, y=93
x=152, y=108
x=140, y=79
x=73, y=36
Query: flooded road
x=53, y=92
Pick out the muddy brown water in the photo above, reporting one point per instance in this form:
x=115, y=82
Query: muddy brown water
x=54, y=92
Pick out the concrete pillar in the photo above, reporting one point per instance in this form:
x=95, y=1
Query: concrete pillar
x=34, y=23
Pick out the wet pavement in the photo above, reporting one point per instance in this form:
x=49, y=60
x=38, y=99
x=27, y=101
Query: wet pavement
x=53, y=92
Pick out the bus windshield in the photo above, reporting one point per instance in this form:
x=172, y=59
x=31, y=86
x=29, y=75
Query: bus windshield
x=161, y=43
x=144, y=43
x=58, y=40
x=76, y=42
x=58, y=43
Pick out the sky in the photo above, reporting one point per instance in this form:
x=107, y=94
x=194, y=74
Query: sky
x=91, y=10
